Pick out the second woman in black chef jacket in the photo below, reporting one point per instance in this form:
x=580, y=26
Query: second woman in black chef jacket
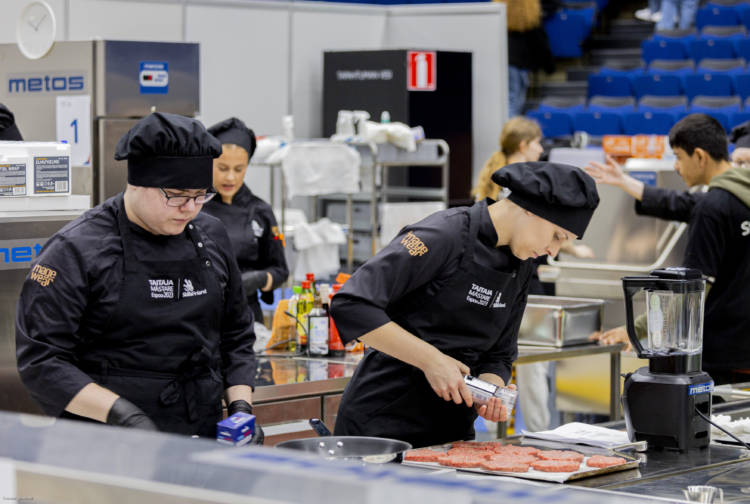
x=445, y=298
x=251, y=225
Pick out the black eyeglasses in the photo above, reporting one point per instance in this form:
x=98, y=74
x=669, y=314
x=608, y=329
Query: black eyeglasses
x=178, y=201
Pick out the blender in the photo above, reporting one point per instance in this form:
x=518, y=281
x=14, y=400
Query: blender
x=661, y=401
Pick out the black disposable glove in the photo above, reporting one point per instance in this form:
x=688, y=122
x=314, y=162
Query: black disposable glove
x=253, y=280
x=126, y=414
x=239, y=406
x=242, y=406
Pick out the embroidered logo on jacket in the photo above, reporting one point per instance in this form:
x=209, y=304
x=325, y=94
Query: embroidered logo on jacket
x=414, y=245
x=257, y=229
x=43, y=275
x=188, y=290
x=482, y=296
x=745, y=226
x=161, y=288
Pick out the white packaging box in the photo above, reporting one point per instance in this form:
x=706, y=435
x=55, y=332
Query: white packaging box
x=31, y=169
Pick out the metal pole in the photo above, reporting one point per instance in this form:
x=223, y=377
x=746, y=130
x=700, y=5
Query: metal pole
x=350, y=233
x=614, y=385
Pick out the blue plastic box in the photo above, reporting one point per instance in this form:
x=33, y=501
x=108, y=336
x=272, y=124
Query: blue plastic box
x=236, y=430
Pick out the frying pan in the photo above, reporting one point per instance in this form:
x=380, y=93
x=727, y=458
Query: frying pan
x=367, y=449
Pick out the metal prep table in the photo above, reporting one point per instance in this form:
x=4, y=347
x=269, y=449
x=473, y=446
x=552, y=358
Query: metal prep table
x=61, y=461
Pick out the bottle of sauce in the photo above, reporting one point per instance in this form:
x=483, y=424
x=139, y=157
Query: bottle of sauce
x=317, y=333
x=335, y=345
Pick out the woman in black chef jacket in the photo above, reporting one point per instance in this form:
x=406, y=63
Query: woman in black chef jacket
x=133, y=314
x=445, y=299
x=251, y=225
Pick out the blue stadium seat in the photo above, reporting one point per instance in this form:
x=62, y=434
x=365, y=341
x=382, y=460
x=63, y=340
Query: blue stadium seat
x=742, y=48
x=554, y=124
x=734, y=66
x=648, y=123
x=614, y=104
x=724, y=32
x=566, y=30
x=669, y=104
x=738, y=118
x=716, y=16
x=566, y=104
x=657, y=85
x=707, y=84
x=742, y=85
x=663, y=49
x=671, y=67
x=609, y=85
x=711, y=48
x=725, y=104
x=597, y=123
x=745, y=17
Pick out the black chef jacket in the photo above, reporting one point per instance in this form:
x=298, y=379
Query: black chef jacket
x=367, y=299
x=255, y=236
x=719, y=246
x=444, y=281
x=65, y=307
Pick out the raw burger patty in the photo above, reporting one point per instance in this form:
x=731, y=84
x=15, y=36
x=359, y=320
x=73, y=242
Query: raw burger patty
x=517, y=450
x=560, y=455
x=602, y=461
x=461, y=460
x=423, y=455
x=469, y=452
x=520, y=458
x=473, y=445
x=504, y=464
x=556, y=465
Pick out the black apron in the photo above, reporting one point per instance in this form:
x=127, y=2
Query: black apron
x=389, y=398
x=161, y=348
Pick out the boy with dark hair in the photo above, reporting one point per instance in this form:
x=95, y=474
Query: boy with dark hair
x=718, y=240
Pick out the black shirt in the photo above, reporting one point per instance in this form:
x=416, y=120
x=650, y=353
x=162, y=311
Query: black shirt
x=55, y=321
x=366, y=300
x=719, y=246
x=254, y=233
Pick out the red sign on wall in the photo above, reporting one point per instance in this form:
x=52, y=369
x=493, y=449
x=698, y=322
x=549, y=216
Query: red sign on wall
x=421, y=73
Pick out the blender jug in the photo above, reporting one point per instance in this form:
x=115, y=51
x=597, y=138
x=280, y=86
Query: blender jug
x=674, y=312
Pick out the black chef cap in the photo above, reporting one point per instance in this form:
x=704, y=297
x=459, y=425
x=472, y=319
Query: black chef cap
x=559, y=193
x=8, y=128
x=234, y=131
x=168, y=150
x=740, y=135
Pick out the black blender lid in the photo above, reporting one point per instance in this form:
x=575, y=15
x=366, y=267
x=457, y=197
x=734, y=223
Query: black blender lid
x=678, y=273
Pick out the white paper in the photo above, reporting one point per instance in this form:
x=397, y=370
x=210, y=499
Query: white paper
x=74, y=127
x=581, y=433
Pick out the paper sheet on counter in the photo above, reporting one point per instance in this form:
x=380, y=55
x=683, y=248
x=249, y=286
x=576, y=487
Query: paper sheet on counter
x=581, y=433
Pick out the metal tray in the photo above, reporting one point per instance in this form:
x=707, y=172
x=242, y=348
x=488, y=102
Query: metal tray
x=555, y=321
x=585, y=472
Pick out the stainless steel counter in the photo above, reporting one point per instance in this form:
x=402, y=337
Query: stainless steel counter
x=59, y=461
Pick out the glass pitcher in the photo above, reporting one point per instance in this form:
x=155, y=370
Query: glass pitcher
x=674, y=311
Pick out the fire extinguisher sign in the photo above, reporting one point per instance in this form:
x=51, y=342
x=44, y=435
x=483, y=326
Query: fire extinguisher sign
x=421, y=74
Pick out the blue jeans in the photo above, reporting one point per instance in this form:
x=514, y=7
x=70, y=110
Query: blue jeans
x=518, y=84
x=688, y=9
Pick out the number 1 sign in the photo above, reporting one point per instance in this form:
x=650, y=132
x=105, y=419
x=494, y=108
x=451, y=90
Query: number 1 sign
x=74, y=127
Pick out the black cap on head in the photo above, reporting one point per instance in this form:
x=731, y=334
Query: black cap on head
x=8, y=128
x=234, y=131
x=740, y=135
x=169, y=150
x=559, y=193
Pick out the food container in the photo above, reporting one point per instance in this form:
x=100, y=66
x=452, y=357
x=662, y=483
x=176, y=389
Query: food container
x=559, y=321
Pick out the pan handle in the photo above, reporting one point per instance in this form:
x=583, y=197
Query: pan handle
x=319, y=427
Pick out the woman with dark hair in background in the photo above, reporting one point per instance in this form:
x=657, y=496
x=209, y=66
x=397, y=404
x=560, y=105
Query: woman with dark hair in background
x=249, y=220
